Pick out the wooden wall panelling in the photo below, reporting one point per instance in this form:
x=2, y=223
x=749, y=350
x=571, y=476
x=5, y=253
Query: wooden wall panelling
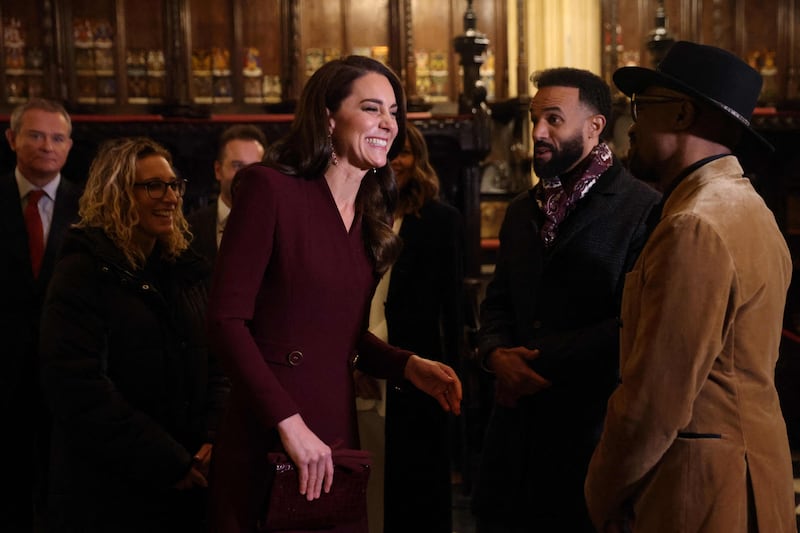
x=178, y=52
x=259, y=26
x=321, y=27
x=717, y=24
x=788, y=19
x=66, y=43
x=366, y=24
x=432, y=27
x=748, y=28
x=55, y=60
x=238, y=44
x=211, y=33
x=290, y=38
x=492, y=19
x=37, y=30
x=401, y=46
x=291, y=27
x=96, y=32
x=759, y=42
x=119, y=21
x=142, y=25
x=51, y=58
x=343, y=27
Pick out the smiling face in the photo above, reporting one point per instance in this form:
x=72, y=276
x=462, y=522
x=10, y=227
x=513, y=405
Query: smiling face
x=403, y=165
x=564, y=130
x=156, y=217
x=365, y=125
x=42, y=145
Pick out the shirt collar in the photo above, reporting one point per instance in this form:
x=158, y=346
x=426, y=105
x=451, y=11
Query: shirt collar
x=26, y=186
x=222, y=211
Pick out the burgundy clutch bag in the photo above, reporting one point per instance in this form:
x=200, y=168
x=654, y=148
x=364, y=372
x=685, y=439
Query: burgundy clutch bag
x=287, y=509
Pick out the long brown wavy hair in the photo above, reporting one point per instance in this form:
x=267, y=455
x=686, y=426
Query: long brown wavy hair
x=305, y=151
x=423, y=183
x=108, y=201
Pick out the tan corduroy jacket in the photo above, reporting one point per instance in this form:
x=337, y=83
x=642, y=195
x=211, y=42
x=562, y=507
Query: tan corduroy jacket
x=696, y=414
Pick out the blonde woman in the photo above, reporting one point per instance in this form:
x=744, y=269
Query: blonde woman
x=126, y=372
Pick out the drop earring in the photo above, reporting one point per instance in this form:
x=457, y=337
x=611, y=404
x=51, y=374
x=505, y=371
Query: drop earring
x=334, y=159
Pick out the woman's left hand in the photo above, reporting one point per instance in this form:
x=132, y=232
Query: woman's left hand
x=436, y=379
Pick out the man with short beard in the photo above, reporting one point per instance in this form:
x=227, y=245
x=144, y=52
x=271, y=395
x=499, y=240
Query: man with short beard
x=549, y=329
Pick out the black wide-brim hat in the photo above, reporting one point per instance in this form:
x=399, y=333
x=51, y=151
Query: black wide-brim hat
x=704, y=72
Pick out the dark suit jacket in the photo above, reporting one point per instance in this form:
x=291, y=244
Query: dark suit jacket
x=203, y=225
x=563, y=300
x=21, y=404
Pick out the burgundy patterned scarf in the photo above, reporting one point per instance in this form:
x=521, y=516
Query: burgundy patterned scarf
x=556, y=203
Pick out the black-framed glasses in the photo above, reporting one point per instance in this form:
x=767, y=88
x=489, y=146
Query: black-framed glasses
x=639, y=99
x=156, y=189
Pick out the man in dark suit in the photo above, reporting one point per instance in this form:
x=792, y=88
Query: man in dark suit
x=549, y=329
x=36, y=206
x=239, y=146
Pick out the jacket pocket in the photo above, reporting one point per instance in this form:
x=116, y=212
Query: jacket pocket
x=693, y=435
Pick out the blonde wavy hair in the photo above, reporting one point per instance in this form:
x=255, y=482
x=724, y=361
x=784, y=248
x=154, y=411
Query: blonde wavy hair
x=108, y=200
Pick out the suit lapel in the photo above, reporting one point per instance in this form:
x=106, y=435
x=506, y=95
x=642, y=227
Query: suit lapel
x=208, y=234
x=64, y=214
x=15, y=238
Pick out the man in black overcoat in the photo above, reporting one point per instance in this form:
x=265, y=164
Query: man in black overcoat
x=549, y=329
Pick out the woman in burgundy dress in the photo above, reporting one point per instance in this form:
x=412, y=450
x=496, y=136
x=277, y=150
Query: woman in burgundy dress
x=307, y=239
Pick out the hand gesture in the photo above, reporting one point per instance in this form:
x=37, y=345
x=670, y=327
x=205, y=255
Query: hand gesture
x=311, y=456
x=514, y=377
x=437, y=379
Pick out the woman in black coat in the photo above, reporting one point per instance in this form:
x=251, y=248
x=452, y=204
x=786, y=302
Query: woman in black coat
x=134, y=394
x=424, y=315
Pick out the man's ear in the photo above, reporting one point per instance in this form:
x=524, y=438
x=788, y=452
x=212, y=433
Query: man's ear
x=596, y=125
x=11, y=138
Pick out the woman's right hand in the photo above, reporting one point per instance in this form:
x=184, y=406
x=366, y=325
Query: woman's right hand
x=310, y=454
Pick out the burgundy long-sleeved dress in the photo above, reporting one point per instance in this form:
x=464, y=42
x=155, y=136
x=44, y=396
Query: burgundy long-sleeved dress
x=287, y=314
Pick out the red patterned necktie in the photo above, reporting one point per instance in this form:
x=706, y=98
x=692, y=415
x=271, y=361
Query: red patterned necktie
x=33, y=222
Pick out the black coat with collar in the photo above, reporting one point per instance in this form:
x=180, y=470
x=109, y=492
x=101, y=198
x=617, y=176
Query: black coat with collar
x=21, y=405
x=564, y=301
x=133, y=389
x=424, y=315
